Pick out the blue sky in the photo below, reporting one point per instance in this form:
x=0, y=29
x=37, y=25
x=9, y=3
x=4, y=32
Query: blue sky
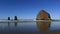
x=25, y=9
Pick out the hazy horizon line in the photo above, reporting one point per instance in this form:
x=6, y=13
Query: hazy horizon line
x=27, y=19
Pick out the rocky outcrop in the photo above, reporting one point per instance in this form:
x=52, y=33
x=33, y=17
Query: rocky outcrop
x=8, y=18
x=43, y=15
x=15, y=18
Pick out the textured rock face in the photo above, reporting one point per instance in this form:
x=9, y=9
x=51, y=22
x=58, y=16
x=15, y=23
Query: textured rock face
x=43, y=15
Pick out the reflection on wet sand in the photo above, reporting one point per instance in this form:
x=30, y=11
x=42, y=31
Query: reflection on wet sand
x=43, y=26
x=15, y=23
x=8, y=22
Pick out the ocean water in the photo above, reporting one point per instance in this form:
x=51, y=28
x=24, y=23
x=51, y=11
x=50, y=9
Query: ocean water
x=33, y=27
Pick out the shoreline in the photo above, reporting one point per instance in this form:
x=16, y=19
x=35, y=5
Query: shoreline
x=26, y=20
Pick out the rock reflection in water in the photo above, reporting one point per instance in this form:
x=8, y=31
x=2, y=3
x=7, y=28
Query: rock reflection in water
x=8, y=22
x=43, y=26
x=15, y=23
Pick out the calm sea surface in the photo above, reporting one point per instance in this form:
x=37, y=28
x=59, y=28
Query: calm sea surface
x=39, y=27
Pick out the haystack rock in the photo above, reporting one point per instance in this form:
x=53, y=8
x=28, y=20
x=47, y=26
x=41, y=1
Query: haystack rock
x=43, y=15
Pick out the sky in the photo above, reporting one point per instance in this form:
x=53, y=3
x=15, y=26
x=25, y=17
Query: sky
x=28, y=9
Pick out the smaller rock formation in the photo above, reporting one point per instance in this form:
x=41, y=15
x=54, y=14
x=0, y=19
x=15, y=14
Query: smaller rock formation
x=8, y=18
x=15, y=18
x=43, y=15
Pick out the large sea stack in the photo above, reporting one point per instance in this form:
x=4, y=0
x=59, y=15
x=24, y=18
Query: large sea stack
x=43, y=15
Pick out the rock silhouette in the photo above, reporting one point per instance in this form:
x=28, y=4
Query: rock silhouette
x=8, y=18
x=43, y=15
x=15, y=18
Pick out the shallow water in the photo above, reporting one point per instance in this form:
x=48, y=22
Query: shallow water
x=39, y=27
